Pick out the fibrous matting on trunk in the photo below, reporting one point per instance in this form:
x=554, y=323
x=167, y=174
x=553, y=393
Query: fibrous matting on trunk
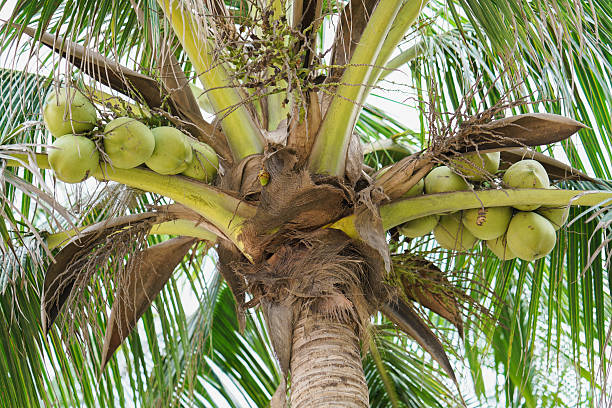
x=292, y=201
x=299, y=265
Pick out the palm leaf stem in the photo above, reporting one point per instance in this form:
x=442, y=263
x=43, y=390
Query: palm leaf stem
x=185, y=228
x=408, y=209
x=223, y=211
x=404, y=20
x=329, y=151
x=179, y=227
x=243, y=136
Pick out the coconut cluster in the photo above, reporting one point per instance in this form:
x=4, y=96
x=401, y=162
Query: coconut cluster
x=71, y=118
x=527, y=232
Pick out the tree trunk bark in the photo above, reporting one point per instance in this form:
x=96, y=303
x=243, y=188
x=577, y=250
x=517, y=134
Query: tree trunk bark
x=326, y=369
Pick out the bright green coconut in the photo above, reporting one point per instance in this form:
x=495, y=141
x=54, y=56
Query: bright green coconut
x=451, y=234
x=172, y=154
x=128, y=143
x=415, y=190
x=487, y=223
x=442, y=179
x=419, y=227
x=68, y=111
x=556, y=215
x=499, y=246
x=530, y=236
x=204, y=164
x=73, y=158
x=526, y=174
x=477, y=166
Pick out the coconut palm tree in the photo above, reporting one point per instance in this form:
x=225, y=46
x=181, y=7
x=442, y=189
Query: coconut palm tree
x=318, y=297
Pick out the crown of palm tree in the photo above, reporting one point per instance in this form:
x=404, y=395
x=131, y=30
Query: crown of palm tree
x=137, y=288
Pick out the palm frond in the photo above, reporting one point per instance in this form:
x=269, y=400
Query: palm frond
x=572, y=82
x=68, y=371
x=414, y=380
x=561, y=304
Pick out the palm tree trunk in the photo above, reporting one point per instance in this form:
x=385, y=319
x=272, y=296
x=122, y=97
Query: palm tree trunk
x=326, y=369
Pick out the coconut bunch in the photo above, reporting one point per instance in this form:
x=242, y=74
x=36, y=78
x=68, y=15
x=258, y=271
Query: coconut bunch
x=127, y=143
x=527, y=232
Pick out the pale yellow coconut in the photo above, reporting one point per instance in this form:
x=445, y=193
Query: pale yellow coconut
x=477, y=166
x=68, y=111
x=487, y=223
x=526, y=174
x=419, y=227
x=204, y=164
x=451, y=234
x=499, y=246
x=530, y=236
x=73, y=158
x=173, y=152
x=128, y=142
x=442, y=179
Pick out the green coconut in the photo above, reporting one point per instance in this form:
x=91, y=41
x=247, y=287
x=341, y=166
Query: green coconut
x=73, y=158
x=451, y=234
x=556, y=215
x=204, y=164
x=415, y=190
x=172, y=153
x=530, y=236
x=419, y=227
x=477, y=166
x=68, y=111
x=487, y=223
x=128, y=143
x=526, y=174
x=442, y=179
x=499, y=246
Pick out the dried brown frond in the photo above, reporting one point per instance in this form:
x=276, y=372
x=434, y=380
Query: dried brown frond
x=474, y=128
x=450, y=134
x=100, y=264
x=138, y=286
x=425, y=283
x=431, y=279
